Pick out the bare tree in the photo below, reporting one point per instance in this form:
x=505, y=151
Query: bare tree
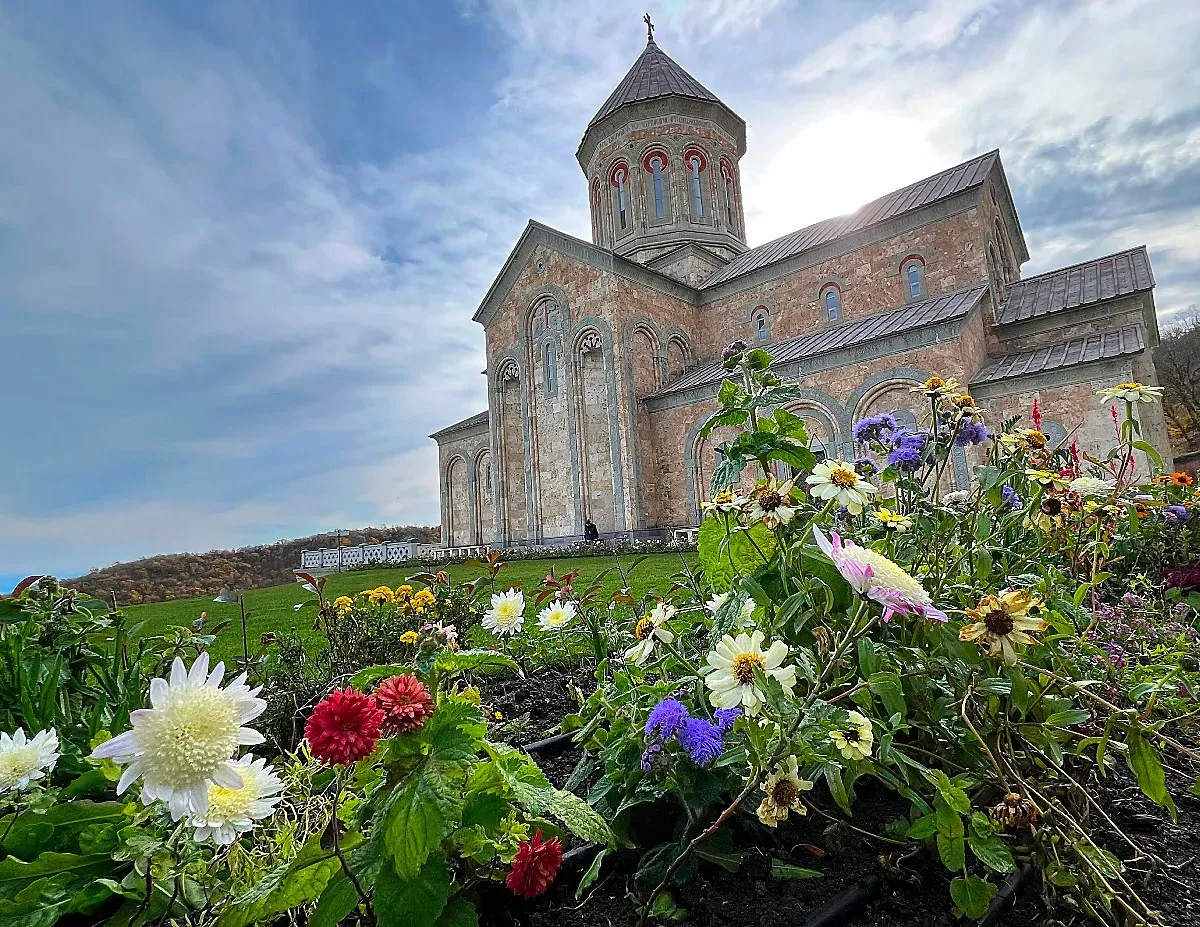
x=1177, y=361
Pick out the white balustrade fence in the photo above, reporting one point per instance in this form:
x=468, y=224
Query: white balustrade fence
x=349, y=558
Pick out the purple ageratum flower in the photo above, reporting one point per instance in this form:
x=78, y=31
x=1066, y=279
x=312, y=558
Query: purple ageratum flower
x=1176, y=514
x=879, y=428
x=666, y=718
x=652, y=757
x=704, y=742
x=970, y=433
x=1010, y=496
x=726, y=717
x=908, y=450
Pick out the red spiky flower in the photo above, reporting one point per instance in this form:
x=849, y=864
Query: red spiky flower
x=535, y=866
x=405, y=702
x=344, y=727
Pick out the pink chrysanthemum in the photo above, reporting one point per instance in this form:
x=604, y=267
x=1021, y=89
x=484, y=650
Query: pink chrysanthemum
x=405, y=702
x=344, y=727
x=535, y=866
x=875, y=576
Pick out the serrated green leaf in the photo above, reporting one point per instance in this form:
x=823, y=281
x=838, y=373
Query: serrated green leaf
x=923, y=827
x=459, y=913
x=520, y=774
x=299, y=881
x=579, y=817
x=953, y=852
x=417, y=902
x=411, y=825
x=335, y=903
x=484, y=662
x=972, y=895
x=991, y=851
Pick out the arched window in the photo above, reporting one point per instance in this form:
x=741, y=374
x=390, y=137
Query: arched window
x=551, y=370
x=912, y=273
x=696, y=164
x=727, y=176
x=831, y=300
x=656, y=165
x=620, y=182
x=760, y=320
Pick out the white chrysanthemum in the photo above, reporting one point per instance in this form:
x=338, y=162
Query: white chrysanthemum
x=507, y=613
x=857, y=742
x=730, y=670
x=649, y=631
x=557, y=615
x=24, y=760
x=1131, y=392
x=235, y=811
x=837, y=480
x=186, y=740
x=1091, y=486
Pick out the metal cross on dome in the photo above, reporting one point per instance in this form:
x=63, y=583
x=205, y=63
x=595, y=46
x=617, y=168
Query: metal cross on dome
x=649, y=28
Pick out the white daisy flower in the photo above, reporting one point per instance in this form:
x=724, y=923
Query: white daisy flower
x=234, y=811
x=557, y=615
x=856, y=743
x=1131, y=392
x=25, y=760
x=730, y=670
x=507, y=613
x=186, y=740
x=771, y=503
x=837, y=480
x=649, y=631
x=1091, y=486
x=782, y=793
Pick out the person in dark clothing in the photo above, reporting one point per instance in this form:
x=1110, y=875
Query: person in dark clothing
x=590, y=532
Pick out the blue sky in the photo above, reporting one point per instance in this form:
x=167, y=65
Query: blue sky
x=241, y=243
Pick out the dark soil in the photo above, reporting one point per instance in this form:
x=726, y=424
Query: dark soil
x=533, y=706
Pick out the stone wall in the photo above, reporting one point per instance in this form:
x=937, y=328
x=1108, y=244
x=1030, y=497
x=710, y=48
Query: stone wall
x=460, y=453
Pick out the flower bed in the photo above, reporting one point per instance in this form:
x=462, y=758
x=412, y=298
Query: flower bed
x=875, y=690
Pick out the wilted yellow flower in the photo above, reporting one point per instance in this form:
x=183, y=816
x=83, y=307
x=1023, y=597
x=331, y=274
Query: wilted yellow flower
x=1003, y=621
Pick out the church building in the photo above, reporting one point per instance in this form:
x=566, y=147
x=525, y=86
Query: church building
x=603, y=357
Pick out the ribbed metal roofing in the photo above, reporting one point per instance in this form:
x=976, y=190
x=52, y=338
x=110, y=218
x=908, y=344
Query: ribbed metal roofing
x=1078, y=285
x=654, y=74
x=1100, y=346
x=894, y=321
x=922, y=193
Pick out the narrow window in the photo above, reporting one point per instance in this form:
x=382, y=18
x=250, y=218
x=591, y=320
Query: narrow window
x=656, y=167
x=727, y=176
x=762, y=324
x=833, y=303
x=621, y=198
x=914, y=279
x=697, y=194
x=551, y=371
x=487, y=477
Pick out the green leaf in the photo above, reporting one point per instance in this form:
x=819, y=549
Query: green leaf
x=1143, y=759
x=412, y=825
x=593, y=873
x=1149, y=451
x=726, y=555
x=336, y=902
x=777, y=396
x=415, y=902
x=363, y=679
x=1110, y=866
x=728, y=617
x=782, y=870
x=833, y=777
x=17, y=875
x=579, y=817
x=484, y=662
x=485, y=811
x=868, y=659
x=723, y=418
x=949, y=824
x=459, y=913
x=528, y=784
x=953, y=852
x=455, y=732
x=923, y=827
x=731, y=394
x=972, y=895
x=1068, y=718
x=890, y=691
x=991, y=851
x=299, y=881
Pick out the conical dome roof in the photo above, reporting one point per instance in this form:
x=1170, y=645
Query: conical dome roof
x=654, y=74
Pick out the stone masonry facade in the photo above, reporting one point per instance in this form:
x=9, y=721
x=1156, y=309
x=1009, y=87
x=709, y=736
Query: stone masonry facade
x=603, y=356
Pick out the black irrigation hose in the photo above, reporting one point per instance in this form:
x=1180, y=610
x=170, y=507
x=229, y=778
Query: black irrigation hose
x=580, y=857
x=843, y=906
x=1006, y=896
x=550, y=744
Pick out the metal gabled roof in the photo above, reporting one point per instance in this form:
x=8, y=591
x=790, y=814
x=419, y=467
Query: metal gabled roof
x=1092, y=281
x=1099, y=346
x=857, y=331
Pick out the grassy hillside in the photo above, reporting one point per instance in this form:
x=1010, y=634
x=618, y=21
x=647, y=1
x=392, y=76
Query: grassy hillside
x=180, y=576
x=271, y=609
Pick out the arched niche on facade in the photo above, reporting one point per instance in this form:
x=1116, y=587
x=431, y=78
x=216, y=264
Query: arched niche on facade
x=458, y=502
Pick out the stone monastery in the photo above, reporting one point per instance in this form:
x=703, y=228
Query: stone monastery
x=603, y=357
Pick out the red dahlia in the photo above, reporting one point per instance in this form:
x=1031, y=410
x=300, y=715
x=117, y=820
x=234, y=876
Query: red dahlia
x=535, y=867
x=344, y=727
x=405, y=702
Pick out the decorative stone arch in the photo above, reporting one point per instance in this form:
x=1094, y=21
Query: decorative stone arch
x=458, y=500
x=508, y=367
x=646, y=184
x=483, y=481
x=824, y=411
x=639, y=380
x=900, y=378
x=677, y=355
x=695, y=479
x=901, y=268
x=840, y=284
x=559, y=313
x=698, y=149
x=619, y=176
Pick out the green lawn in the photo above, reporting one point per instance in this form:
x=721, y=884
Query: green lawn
x=270, y=609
